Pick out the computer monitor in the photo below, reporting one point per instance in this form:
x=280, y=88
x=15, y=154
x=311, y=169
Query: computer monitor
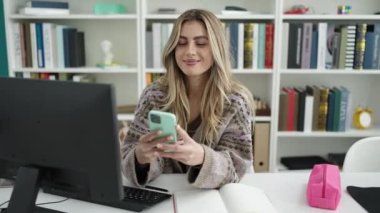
x=60, y=136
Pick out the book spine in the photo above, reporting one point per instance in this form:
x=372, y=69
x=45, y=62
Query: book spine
x=285, y=46
x=240, y=46
x=329, y=46
x=343, y=47
x=308, y=121
x=314, y=49
x=345, y=109
x=369, y=49
x=295, y=42
x=40, y=45
x=255, y=56
x=269, y=37
x=248, y=45
x=330, y=112
x=47, y=4
x=17, y=45
x=306, y=45
x=28, y=43
x=47, y=29
x=156, y=30
x=323, y=109
x=322, y=48
x=360, y=46
x=350, y=47
x=261, y=51
x=338, y=98
x=43, y=11
x=234, y=39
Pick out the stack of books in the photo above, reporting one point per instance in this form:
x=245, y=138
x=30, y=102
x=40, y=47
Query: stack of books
x=45, y=8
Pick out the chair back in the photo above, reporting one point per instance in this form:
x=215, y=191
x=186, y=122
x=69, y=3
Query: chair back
x=363, y=156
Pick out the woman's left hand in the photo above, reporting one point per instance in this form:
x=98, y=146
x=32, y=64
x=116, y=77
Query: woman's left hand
x=185, y=150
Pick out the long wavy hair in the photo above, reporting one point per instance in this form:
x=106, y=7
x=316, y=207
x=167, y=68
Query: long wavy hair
x=219, y=85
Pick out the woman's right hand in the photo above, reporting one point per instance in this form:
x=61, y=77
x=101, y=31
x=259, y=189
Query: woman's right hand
x=146, y=148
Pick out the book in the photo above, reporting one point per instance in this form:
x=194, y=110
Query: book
x=306, y=45
x=360, y=46
x=323, y=109
x=43, y=11
x=295, y=45
x=322, y=45
x=47, y=4
x=232, y=197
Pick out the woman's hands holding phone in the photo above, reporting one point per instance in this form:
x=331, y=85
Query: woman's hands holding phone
x=185, y=150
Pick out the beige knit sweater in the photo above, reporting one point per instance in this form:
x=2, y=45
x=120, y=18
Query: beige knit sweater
x=226, y=161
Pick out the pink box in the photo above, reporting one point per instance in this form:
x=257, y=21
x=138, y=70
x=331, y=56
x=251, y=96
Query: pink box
x=323, y=188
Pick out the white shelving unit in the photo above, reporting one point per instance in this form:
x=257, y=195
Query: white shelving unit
x=128, y=34
x=122, y=30
x=363, y=84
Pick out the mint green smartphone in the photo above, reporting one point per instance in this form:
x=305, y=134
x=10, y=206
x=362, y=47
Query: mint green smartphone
x=164, y=121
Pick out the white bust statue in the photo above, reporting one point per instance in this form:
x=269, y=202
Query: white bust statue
x=106, y=47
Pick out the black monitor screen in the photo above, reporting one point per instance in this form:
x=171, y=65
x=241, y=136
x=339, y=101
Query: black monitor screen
x=65, y=130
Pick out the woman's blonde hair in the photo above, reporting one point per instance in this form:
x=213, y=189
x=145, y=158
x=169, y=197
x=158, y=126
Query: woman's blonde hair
x=220, y=82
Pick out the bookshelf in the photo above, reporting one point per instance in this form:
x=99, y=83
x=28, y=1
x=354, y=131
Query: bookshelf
x=121, y=30
x=361, y=83
x=129, y=35
x=3, y=55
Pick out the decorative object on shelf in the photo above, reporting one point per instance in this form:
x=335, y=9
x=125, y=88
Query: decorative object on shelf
x=262, y=108
x=109, y=8
x=235, y=10
x=106, y=47
x=362, y=118
x=298, y=9
x=108, y=56
x=167, y=10
x=344, y=9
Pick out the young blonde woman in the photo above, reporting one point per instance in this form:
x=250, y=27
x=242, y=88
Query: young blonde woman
x=214, y=113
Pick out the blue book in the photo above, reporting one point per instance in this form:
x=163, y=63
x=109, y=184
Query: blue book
x=369, y=48
x=330, y=112
x=40, y=45
x=48, y=4
x=343, y=116
x=376, y=53
x=67, y=44
x=314, y=49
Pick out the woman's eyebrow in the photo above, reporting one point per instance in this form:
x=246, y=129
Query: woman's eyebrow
x=195, y=38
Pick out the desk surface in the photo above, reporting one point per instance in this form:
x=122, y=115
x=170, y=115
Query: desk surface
x=287, y=192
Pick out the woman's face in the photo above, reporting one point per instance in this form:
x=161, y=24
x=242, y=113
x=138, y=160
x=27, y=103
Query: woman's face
x=193, y=51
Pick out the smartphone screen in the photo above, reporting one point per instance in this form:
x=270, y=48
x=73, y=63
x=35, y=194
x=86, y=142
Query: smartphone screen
x=164, y=121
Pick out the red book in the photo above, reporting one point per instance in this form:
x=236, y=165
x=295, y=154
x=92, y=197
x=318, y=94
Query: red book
x=269, y=35
x=291, y=109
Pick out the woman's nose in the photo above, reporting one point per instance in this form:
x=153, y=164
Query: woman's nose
x=191, y=50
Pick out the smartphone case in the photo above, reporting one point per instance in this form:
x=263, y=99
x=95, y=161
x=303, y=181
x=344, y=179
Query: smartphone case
x=167, y=124
x=323, y=188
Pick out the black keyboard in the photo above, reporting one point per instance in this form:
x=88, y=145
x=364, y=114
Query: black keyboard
x=144, y=196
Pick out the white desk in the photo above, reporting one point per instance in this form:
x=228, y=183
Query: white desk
x=287, y=192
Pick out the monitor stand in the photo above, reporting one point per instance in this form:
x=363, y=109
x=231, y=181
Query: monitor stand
x=25, y=193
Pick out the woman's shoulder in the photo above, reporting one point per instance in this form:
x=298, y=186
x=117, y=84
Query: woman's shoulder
x=238, y=102
x=154, y=92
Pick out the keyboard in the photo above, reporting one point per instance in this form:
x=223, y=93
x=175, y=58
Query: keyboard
x=144, y=196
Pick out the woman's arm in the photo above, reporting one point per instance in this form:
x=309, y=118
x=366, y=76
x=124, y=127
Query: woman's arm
x=135, y=172
x=227, y=161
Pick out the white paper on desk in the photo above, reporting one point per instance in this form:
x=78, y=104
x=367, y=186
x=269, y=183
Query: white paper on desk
x=232, y=198
x=199, y=201
x=241, y=198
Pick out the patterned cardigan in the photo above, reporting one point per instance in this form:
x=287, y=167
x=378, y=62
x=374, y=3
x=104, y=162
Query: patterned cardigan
x=225, y=161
